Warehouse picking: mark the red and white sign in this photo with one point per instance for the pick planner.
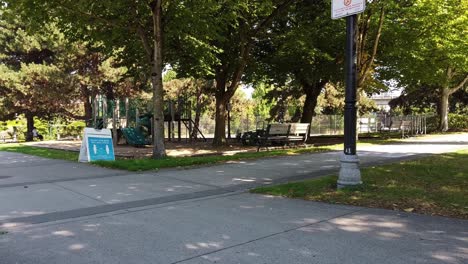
(344, 8)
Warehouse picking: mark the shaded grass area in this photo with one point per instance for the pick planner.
(41, 152)
(435, 185)
(171, 162)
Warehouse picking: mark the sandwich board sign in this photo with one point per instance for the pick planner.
(96, 145)
(344, 8)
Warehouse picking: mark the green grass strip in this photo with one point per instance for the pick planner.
(435, 185)
(152, 164)
(40, 152)
(171, 162)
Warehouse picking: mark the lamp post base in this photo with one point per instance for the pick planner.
(350, 175)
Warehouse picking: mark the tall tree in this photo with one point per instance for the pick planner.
(131, 30)
(33, 79)
(303, 51)
(222, 48)
(429, 40)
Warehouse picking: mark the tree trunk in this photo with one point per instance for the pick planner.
(222, 97)
(198, 109)
(115, 121)
(444, 98)
(159, 150)
(223, 94)
(88, 108)
(444, 102)
(312, 92)
(297, 115)
(220, 119)
(30, 126)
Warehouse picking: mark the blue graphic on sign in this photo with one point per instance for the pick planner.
(100, 148)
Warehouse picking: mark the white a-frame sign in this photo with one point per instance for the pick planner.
(96, 145)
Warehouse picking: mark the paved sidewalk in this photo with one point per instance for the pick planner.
(65, 212)
(242, 228)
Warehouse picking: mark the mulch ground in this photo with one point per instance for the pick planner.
(175, 148)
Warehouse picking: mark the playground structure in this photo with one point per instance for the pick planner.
(132, 120)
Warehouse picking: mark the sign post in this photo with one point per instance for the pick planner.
(96, 145)
(349, 175)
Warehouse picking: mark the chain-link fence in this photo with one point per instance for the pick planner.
(334, 124)
(321, 125)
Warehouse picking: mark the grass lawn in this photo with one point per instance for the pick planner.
(435, 185)
(40, 152)
(151, 164)
(170, 162)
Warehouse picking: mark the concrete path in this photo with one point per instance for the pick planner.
(65, 212)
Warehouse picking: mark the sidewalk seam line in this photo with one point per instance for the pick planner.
(9, 185)
(108, 208)
(187, 181)
(123, 211)
(49, 163)
(82, 194)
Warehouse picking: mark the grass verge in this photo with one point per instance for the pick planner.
(435, 185)
(171, 162)
(151, 164)
(41, 152)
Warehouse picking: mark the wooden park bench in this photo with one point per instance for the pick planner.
(403, 126)
(394, 126)
(406, 128)
(284, 135)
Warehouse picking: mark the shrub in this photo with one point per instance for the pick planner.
(458, 122)
(432, 123)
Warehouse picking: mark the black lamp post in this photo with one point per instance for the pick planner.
(350, 175)
(350, 91)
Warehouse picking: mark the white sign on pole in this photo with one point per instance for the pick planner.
(344, 8)
(96, 145)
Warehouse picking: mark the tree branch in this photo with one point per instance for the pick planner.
(137, 28)
(459, 86)
(269, 19)
(144, 40)
(141, 33)
(249, 41)
(107, 21)
(368, 65)
(364, 27)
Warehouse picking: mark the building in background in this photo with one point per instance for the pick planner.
(382, 99)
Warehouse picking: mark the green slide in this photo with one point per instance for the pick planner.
(134, 137)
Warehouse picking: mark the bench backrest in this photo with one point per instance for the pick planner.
(278, 129)
(396, 124)
(406, 124)
(299, 128)
(7, 133)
